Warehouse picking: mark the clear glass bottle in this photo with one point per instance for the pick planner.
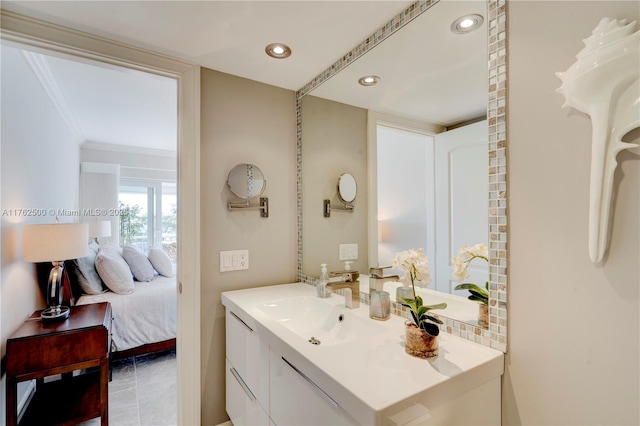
(321, 287)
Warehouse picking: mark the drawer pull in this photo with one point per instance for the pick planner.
(239, 319)
(243, 385)
(311, 382)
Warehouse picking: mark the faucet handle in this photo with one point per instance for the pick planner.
(348, 276)
(376, 271)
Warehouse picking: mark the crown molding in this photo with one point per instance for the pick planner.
(40, 67)
(101, 146)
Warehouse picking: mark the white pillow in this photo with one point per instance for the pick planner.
(140, 266)
(114, 271)
(161, 261)
(84, 272)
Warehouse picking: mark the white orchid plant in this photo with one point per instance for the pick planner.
(460, 264)
(415, 265)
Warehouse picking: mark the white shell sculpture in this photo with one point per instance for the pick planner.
(605, 84)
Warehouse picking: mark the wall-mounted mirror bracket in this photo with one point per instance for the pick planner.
(347, 189)
(327, 207)
(247, 182)
(263, 207)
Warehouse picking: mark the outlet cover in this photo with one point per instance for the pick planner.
(348, 251)
(234, 260)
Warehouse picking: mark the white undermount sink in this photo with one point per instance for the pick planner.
(319, 321)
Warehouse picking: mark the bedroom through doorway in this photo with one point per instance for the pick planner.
(122, 126)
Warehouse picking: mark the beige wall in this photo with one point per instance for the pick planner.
(334, 141)
(574, 327)
(242, 122)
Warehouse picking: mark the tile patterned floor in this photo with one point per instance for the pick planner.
(143, 391)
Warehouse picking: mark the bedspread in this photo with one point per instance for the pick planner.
(148, 315)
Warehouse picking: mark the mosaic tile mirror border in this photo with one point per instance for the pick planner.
(496, 335)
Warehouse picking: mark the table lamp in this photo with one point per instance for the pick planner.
(99, 229)
(55, 243)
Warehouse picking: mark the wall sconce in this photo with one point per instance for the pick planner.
(347, 189)
(247, 182)
(55, 243)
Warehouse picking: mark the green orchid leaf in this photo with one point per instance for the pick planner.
(470, 286)
(478, 299)
(418, 301)
(415, 318)
(479, 294)
(430, 328)
(434, 319)
(421, 311)
(438, 306)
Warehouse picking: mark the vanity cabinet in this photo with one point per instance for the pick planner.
(276, 376)
(246, 373)
(297, 400)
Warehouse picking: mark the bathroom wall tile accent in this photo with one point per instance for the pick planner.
(399, 21)
(496, 335)
(497, 117)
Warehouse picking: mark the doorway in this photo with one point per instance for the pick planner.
(39, 37)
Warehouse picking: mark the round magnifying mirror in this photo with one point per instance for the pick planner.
(347, 188)
(246, 181)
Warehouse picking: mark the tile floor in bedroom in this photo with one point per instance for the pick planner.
(143, 391)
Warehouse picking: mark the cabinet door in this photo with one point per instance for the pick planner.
(248, 355)
(241, 404)
(297, 400)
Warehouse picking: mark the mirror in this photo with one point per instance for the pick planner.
(347, 188)
(246, 181)
(415, 91)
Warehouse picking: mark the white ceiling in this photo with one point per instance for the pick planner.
(228, 36)
(125, 107)
(426, 71)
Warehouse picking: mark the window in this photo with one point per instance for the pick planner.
(147, 213)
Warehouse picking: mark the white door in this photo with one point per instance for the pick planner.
(462, 209)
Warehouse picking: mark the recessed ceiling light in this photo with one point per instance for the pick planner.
(278, 50)
(369, 80)
(466, 24)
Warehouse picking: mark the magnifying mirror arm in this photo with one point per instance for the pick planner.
(327, 207)
(244, 205)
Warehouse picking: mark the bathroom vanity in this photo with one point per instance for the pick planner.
(296, 359)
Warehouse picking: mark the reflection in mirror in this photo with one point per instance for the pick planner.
(347, 188)
(246, 181)
(436, 93)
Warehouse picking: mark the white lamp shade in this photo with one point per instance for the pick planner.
(99, 229)
(55, 242)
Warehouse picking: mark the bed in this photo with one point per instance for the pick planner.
(144, 320)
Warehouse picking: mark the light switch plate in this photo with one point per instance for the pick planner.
(348, 251)
(234, 260)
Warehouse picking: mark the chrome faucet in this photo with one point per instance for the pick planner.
(349, 282)
(377, 280)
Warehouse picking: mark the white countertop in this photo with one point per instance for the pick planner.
(373, 373)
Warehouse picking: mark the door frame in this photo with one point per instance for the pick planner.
(39, 36)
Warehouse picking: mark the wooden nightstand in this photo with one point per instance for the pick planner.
(38, 350)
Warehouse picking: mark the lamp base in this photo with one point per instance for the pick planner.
(55, 313)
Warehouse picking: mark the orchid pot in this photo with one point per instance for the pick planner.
(419, 343)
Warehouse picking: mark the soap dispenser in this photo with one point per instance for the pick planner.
(321, 288)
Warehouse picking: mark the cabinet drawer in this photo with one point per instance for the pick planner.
(36, 354)
(241, 404)
(248, 356)
(297, 400)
